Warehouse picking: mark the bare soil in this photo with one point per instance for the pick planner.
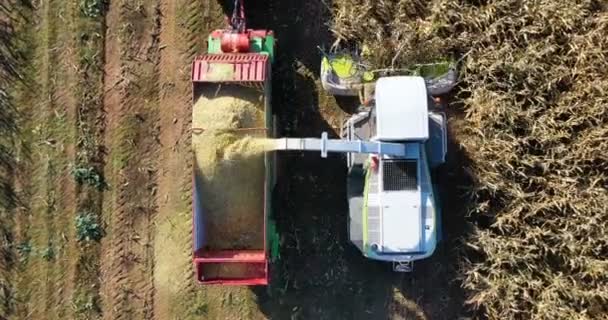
(132, 144)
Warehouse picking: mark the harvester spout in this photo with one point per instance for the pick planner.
(326, 145)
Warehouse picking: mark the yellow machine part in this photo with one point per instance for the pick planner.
(345, 67)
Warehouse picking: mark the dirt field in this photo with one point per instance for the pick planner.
(95, 126)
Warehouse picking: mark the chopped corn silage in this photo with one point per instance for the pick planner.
(230, 165)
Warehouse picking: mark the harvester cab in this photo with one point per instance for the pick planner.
(237, 66)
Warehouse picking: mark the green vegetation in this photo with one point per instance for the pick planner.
(84, 305)
(25, 250)
(48, 253)
(89, 176)
(201, 310)
(92, 8)
(433, 70)
(87, 228)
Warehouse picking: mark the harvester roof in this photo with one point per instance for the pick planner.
(402, 109)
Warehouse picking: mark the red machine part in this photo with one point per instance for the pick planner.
(236, 39)
(238, 42)
(253, 266)
(233, 42)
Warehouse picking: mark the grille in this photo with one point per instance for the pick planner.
(374, 228)
(400, 175)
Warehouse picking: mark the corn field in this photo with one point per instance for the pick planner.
(531, 115)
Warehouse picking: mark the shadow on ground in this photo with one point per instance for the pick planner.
(320, 275)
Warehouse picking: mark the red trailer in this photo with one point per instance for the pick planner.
(238, 60)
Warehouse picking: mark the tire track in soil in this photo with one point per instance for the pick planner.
(172, 253)
(131, 106)
(61, 196)
(111, 103)
(46, 183)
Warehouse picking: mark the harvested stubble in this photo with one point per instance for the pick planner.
(230, 166)
(534, 97)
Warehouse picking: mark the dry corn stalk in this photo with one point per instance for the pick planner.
(534, 99)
